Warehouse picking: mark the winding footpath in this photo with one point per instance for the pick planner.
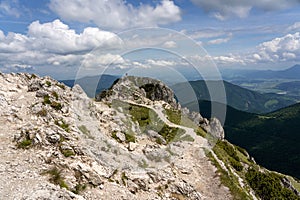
(199, 141)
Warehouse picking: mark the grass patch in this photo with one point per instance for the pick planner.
(42, 113)
(79, 188)
(62, 86)
(67, 153)
(229, 180)
(228, 154)
(294, 182)
(148, 120)
(114, 135)
(48, 83)
(56, 105)
(56, 177)
(129, 137)
(62, 124)
(47, 99)
(201, 132)
(171, 134)
(174, 116)
(54, 94)
(24, 144)
(33, 76)
(124, 178)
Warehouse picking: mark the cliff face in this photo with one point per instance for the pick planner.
(134, 142)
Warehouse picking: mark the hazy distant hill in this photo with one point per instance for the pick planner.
(238, 97)
(290, 73)
(88, 83)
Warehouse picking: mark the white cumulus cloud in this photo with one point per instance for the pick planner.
(169, 44)
(280, 49)
(222, 10)
(57, 37)
(116, 14)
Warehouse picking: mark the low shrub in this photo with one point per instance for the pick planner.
(24, 144)
(268, 185)
(56, 177)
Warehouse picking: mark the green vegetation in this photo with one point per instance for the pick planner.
(63, 125)
(124, 178)
(48, 83)
(42, 112)
(229, 154)
(79, 188)
(236, 96)
(33, 76)
(268, 185)
(56, 177)
(56, 105)
(174, 116)
(171, 134)
(53, 104)
(114, 135)
(47, 99)
(201, 132)
(62, 86)
(67, 153)
(24, 144)
(148, 120)
(294, 182)
(229, 180)
(55, 95)
(271, 103)
(129, 137)
(272, 139)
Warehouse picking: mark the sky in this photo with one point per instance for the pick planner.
(61, 37)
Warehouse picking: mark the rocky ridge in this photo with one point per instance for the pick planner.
(135, 142)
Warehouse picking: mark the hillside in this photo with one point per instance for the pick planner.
(133, 142)
(238, 97)
(273, 139)
(233, 116)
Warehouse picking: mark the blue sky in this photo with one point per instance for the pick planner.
(53, 37)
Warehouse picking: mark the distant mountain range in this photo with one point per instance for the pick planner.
(290, 73)
(237, 97)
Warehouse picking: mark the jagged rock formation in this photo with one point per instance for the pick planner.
(136, 143)
(139, 88)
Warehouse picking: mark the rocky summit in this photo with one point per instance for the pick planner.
(134, 141)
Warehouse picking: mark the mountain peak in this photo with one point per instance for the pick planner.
(65, 145)
(139, 88)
